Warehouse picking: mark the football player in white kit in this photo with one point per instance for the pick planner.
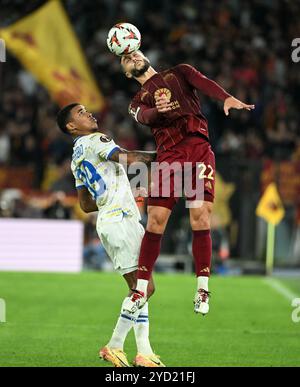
(103, 186)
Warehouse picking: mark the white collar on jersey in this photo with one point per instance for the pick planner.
(76, 138)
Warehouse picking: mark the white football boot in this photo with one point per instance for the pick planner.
(135, 302)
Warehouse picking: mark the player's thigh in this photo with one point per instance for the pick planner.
(157, 219)
(200, 215)
(203, 172)
(122, 242)
(200, 177)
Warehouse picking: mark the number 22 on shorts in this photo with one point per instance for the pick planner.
(206, 171)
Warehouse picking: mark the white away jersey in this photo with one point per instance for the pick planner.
(106, 180)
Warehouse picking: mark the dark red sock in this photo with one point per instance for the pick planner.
(150, 249)
(202, 251)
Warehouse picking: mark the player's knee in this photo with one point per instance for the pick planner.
(155, 228)
(156, 223)
(200, 220)
(202, 223)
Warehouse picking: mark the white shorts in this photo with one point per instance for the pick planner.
(122, 242)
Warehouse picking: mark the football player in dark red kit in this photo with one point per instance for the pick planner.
(168, 102)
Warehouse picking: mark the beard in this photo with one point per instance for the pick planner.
(136, 73)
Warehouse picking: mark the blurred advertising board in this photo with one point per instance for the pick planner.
(41, 245)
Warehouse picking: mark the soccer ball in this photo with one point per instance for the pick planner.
(123, 39)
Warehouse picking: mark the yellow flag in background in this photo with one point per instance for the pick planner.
(46, 45)
(270, 206)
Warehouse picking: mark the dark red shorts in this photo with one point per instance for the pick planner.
(185, 170)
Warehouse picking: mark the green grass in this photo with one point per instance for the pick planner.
(62, 320)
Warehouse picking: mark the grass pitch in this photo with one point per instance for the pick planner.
(63, 320)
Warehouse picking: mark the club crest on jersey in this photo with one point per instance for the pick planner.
(104, 138)
(163, 92)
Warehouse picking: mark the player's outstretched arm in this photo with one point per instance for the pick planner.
(87, 203)
(233, 103)
(126, 157)
(211, 88)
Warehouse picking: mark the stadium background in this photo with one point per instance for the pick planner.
(59, 319)
(245, 46)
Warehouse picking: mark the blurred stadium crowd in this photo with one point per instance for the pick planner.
(243, 45)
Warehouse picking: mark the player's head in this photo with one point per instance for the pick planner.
(74, 119)
(135, 64)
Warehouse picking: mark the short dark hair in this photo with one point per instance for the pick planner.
(63, 117)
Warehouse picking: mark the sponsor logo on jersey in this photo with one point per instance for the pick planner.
(163, 92)
(166, 93)
(104, 138)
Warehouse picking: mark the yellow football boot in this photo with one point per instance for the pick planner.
(115, 356)
(147, 361)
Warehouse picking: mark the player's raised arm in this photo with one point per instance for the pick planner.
(124, 156)
(87, 203)
(211, 88)
(201, 82)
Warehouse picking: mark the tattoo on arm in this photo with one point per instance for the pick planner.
(128, 157)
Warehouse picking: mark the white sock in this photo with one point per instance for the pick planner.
(202, 283)
(124, 324)
(141, 332)
(142, 285)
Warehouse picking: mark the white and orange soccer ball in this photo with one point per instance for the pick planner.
(123, 39)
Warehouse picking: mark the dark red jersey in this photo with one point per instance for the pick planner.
(180, 85)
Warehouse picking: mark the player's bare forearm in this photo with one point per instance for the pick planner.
(140, 157)
(124, 156)
(87, 203)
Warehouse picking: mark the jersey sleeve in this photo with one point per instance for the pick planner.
(143, 113)
(199, 81)
(104, 146)
(78, 183)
